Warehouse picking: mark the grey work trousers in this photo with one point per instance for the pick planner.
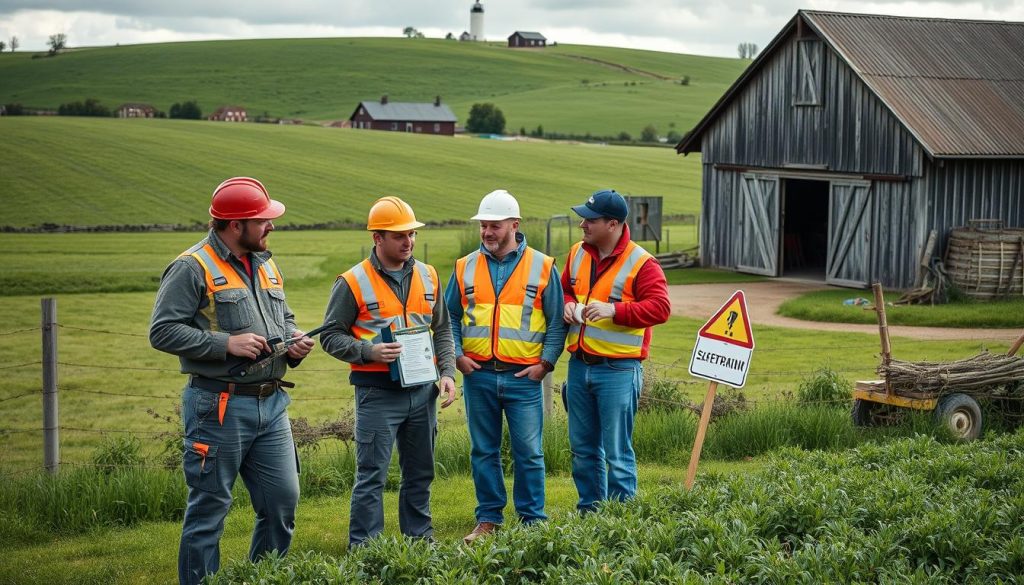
(385, 417)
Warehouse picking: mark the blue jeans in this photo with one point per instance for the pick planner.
(383, 417)
(602, 401)
(488, 394)
(256, 441)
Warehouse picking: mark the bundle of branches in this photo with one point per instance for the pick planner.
(981, 371)
(305, 434)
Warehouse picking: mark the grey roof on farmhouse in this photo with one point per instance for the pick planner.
(408, 112)
(530, 36)
(956, 85)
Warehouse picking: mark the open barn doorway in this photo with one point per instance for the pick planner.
(805, 228)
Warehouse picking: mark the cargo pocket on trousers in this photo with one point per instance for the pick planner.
(366, 455)
(200, 463)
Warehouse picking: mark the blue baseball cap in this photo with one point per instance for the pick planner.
(603, 203)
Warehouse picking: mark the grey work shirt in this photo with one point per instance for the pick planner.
(180, 327)
(339, 342)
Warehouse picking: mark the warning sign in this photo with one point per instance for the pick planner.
(730, 324)
(725, 344)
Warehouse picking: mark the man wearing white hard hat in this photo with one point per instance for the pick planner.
(506, 304)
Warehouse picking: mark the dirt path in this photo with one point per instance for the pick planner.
(763, 299)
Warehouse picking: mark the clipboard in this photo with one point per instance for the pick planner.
(421, 356)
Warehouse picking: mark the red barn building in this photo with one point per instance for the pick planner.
(435, 118)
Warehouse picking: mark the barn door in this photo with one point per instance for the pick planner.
(849, 234)
(759, 247)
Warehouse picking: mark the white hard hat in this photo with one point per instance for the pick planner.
(498, 205)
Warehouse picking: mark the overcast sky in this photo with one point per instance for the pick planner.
(682, 26)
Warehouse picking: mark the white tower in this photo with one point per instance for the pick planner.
(476, 22)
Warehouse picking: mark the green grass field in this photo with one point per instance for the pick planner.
(828, 306)
(324, 79)
(104, 334)
(87, 171)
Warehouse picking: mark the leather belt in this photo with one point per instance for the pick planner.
(261, 390)
(500, 366)
(593, 360)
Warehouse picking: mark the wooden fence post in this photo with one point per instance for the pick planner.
(51, 430)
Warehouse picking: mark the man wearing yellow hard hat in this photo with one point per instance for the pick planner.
(390, 291)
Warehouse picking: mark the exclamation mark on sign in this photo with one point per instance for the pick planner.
(733, 315)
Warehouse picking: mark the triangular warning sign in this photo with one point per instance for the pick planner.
(731, 323)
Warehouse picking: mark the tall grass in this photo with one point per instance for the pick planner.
(81, 498)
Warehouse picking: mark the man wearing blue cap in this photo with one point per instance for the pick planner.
(615, 291)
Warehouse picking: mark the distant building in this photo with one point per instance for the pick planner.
(135, 111)
(229, 114)
(465, 37)
(435, 118)
(522, 39)
(476, 22)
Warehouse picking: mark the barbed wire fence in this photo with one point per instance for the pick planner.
(666, 371)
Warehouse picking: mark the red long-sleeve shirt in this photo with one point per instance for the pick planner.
(651, 307)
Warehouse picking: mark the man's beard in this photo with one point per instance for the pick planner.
(494, 247)
(250, 242)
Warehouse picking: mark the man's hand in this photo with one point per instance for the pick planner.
(536, 372)
(301, 348)
(597, 310)
(466, 365)
(568, 313)
(448, 389)
(248, 345)
(385, 352)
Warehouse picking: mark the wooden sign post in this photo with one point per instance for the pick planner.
(722, 354)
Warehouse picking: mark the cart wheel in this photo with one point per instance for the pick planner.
(961, 415)
(867, 414)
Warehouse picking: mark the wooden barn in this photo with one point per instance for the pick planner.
(435, 118)
(521, 39)
(852, 136)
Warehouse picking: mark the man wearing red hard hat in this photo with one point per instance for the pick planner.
(218, 304)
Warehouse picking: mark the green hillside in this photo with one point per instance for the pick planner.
(575, 89)
(91, 171)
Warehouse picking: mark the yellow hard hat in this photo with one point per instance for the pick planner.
(391, 214)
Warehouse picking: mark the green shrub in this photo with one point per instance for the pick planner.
(826, 387)
(912, 511)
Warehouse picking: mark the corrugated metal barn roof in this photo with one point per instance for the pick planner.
(408, 112)
(956, 85)
(534, 36)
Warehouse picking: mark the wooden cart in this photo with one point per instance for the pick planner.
(878, 402)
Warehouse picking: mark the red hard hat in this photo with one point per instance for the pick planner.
(243, 198)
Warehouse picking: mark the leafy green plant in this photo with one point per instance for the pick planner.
(825, 387)
(120, 451)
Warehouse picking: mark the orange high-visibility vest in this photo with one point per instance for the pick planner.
(379, 307)
(509, 326)
(604, 337)
(220, 276)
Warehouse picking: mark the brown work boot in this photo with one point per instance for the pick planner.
(482, 529)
